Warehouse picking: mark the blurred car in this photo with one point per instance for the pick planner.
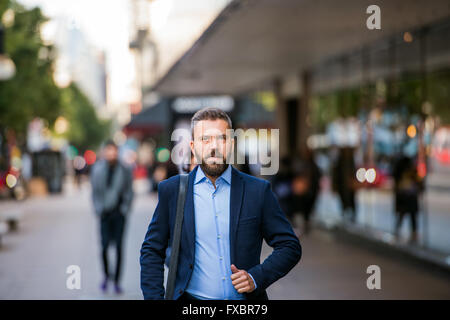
(441, 145)
(373, 177)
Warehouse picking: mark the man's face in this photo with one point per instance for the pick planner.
(110, 153)
(212, 146)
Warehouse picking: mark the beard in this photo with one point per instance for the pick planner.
(213, 169)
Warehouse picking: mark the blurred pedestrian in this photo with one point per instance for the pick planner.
(112, 194)
(245, 167)
(344, 181)
(164, 171)
(282, 187)
(407, 188)
(305, 187)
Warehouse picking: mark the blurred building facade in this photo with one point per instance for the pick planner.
(328, 81)
(79, 61)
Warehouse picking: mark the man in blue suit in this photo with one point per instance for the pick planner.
(227, 215)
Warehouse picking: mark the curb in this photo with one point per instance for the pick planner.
(386, 244)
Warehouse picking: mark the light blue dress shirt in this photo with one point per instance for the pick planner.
(211, 276)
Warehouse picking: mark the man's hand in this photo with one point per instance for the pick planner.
(241, 280)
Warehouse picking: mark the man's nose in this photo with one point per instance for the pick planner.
(214, 144)
(212, 152)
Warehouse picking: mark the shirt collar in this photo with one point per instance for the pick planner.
(226, 175)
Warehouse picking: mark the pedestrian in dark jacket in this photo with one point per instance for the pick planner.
(344, 173)
(305, 187)
(408, 186)
(112, 194)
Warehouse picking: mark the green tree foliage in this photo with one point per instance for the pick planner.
(409, 93)
(439, 94)
(326, 108)
(86, 131)
(31, 92)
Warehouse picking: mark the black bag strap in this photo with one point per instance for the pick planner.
(175, 249)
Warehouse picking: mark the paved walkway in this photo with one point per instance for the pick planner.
(375, 209)
(59, 231)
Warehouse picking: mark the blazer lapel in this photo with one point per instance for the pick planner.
(236, 196)
(189, 217)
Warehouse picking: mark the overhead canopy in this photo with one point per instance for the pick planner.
(151, 120)
(253, 114)
(254, 41)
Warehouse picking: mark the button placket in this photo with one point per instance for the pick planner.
(219, 238)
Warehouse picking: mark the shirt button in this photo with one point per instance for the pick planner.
(223, 278)
(218, 237)
(191, 266)
(221, 258)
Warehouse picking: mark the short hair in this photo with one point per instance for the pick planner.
(209, 113)
(111, 143)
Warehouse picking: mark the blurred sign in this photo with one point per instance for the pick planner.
(193, 104)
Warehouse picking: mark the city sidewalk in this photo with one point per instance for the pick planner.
(61, 230)
(375, 221)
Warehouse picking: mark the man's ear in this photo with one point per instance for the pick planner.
(191, 144)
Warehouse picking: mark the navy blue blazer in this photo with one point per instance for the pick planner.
(254, 215)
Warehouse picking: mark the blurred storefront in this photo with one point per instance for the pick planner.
(334, 83)
(152, 127)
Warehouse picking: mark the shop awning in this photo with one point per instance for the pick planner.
(254, 41)
(151, 120)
